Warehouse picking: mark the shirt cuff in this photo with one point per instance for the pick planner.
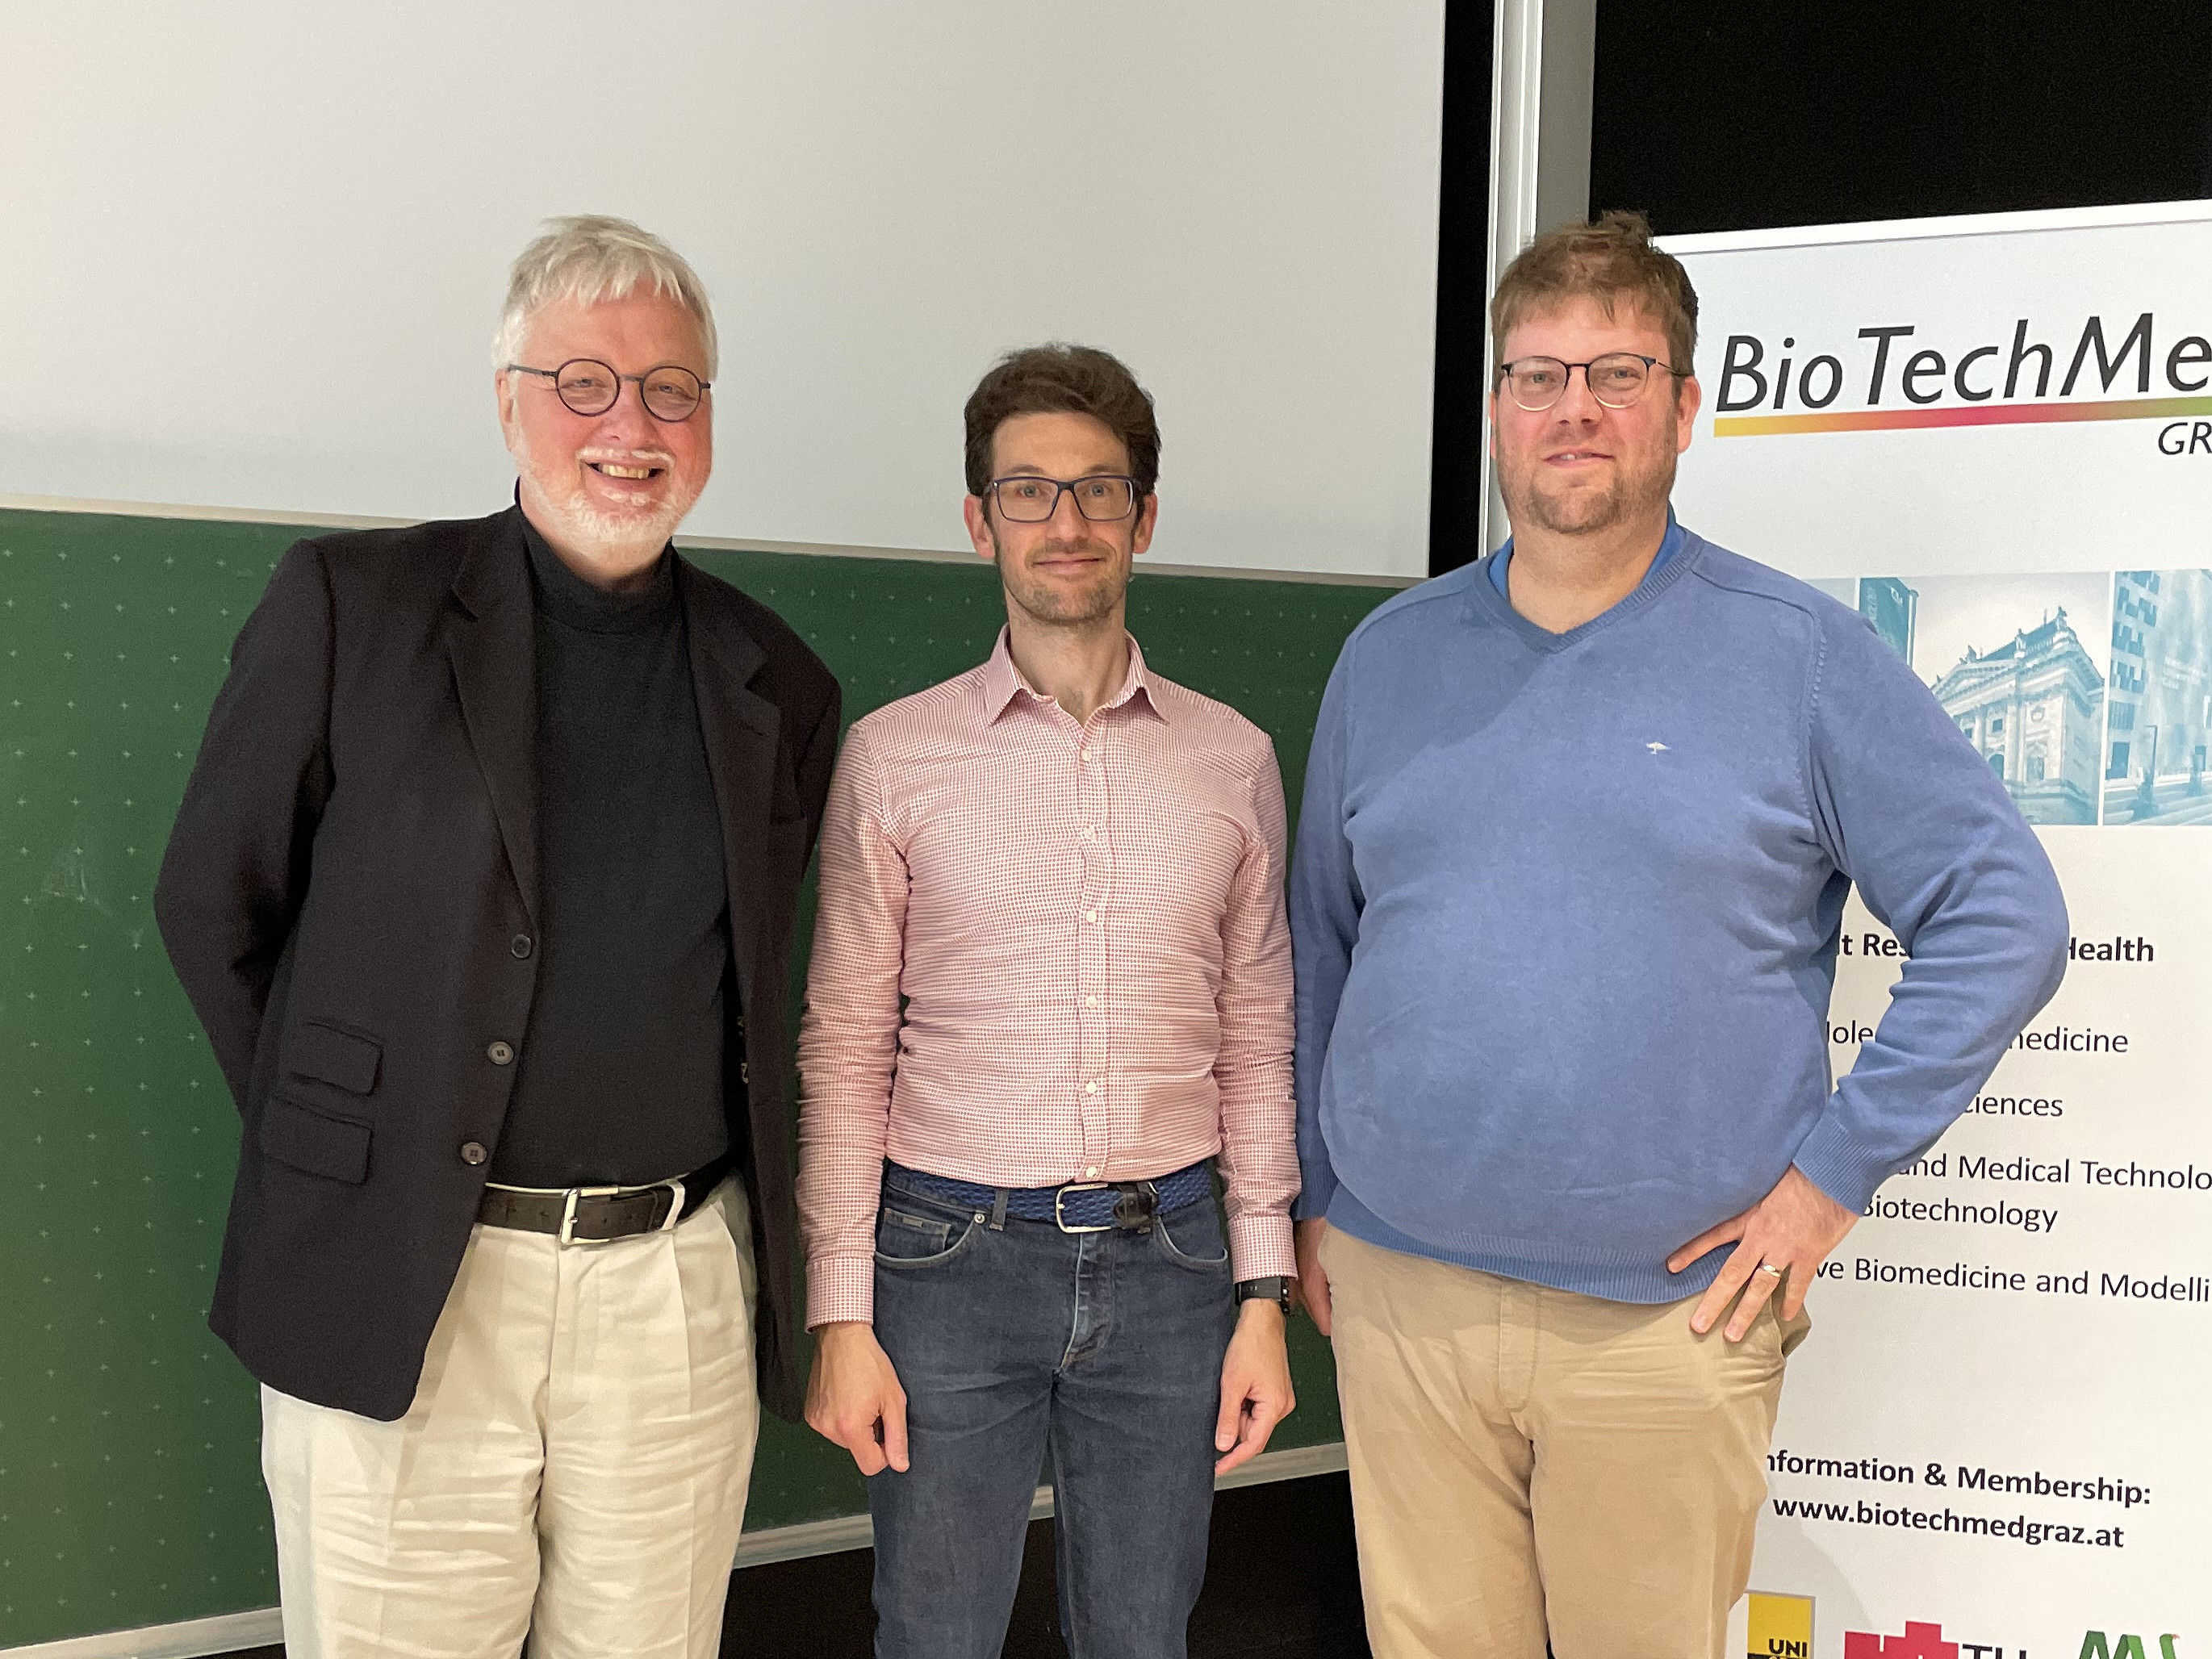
(841, 1288)
(1260, 1248)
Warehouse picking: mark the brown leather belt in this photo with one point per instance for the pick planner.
(599, 1215)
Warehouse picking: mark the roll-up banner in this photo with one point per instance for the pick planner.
(1992, 437)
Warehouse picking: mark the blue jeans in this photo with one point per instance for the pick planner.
(1105, 1348)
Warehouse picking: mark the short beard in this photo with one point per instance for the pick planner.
(1056, 606)
(1582, 512)
(1578, 513)
(620, 537)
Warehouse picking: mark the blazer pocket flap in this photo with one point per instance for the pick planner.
(344, 1059)
(321, 1142)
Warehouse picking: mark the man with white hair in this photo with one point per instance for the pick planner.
(484, 879)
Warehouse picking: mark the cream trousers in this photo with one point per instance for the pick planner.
(573, 1469)
(1528, 1462)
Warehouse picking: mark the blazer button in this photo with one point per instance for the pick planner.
(500, 1053)
(472, 1152)
(519, 946)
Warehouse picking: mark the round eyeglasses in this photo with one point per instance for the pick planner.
(1616, 379)
(1102, 497)
(588, 386)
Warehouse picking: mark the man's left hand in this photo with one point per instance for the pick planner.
(1256, 1385)
(1785, 1237)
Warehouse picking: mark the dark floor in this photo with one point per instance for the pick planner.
(1281, 1583)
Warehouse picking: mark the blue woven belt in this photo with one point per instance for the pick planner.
(1080, 1207)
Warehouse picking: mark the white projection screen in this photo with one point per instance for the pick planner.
(255, 251)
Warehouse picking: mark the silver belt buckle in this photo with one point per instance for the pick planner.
(1059, 1198)
(567, 1234)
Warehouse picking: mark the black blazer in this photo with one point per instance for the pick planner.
(349, 898)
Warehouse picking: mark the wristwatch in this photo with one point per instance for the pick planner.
(1275, 1288)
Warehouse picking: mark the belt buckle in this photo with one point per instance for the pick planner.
(567, 1234)
(1060, 1197)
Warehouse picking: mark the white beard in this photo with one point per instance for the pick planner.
(621, 536)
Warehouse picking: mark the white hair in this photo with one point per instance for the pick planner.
(589, 257)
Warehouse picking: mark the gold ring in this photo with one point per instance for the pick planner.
(1768, 1267)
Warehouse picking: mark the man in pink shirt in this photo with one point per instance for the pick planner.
(1051, 987)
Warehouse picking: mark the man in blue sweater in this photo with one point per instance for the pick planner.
(1579, 823)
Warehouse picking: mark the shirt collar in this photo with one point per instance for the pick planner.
(1003, 682)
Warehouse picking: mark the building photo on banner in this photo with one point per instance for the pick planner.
(1992, 437)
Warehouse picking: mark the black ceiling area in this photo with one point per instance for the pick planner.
(1714, 115)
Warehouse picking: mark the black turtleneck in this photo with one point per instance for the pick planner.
(621, 1070)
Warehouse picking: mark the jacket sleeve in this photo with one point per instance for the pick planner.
(235, 873)
(1908, 812)
(817, 759)
(1325, 904)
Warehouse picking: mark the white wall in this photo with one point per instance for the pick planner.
(254, 251)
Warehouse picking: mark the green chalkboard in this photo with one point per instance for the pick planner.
(130, 1488)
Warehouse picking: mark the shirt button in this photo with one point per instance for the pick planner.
(1091, 1002)
(1091, 916)
(1091, 1088)
(472, 1152)
(1087, 835)
(519, 946)
(500, 1053)
(1092, 1173)
(1087, 754)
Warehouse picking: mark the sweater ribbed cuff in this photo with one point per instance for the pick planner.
(1827, 1159)
(1312, 1202)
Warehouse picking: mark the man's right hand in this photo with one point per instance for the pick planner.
(1313, 1282)
(854, 1398)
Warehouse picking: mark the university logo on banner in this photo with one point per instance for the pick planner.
(1781, 1626)
(1919, 1641)
(1922, 1641)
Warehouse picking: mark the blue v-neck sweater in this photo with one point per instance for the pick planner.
(1566, 910)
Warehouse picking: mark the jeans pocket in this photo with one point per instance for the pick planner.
(908, 1239)
(1192, 1237)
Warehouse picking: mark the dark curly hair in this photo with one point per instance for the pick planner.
(1059, 379)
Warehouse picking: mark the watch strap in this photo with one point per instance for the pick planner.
(1275, 1288)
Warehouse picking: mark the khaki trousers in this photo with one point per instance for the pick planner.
(1528, 1462)
(574, 1467)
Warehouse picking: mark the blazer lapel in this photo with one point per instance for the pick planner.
(740, 728)
(493, 645)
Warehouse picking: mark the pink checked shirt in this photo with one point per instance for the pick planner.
(1087, 923)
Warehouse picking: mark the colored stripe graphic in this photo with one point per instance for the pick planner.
(1899, 420)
